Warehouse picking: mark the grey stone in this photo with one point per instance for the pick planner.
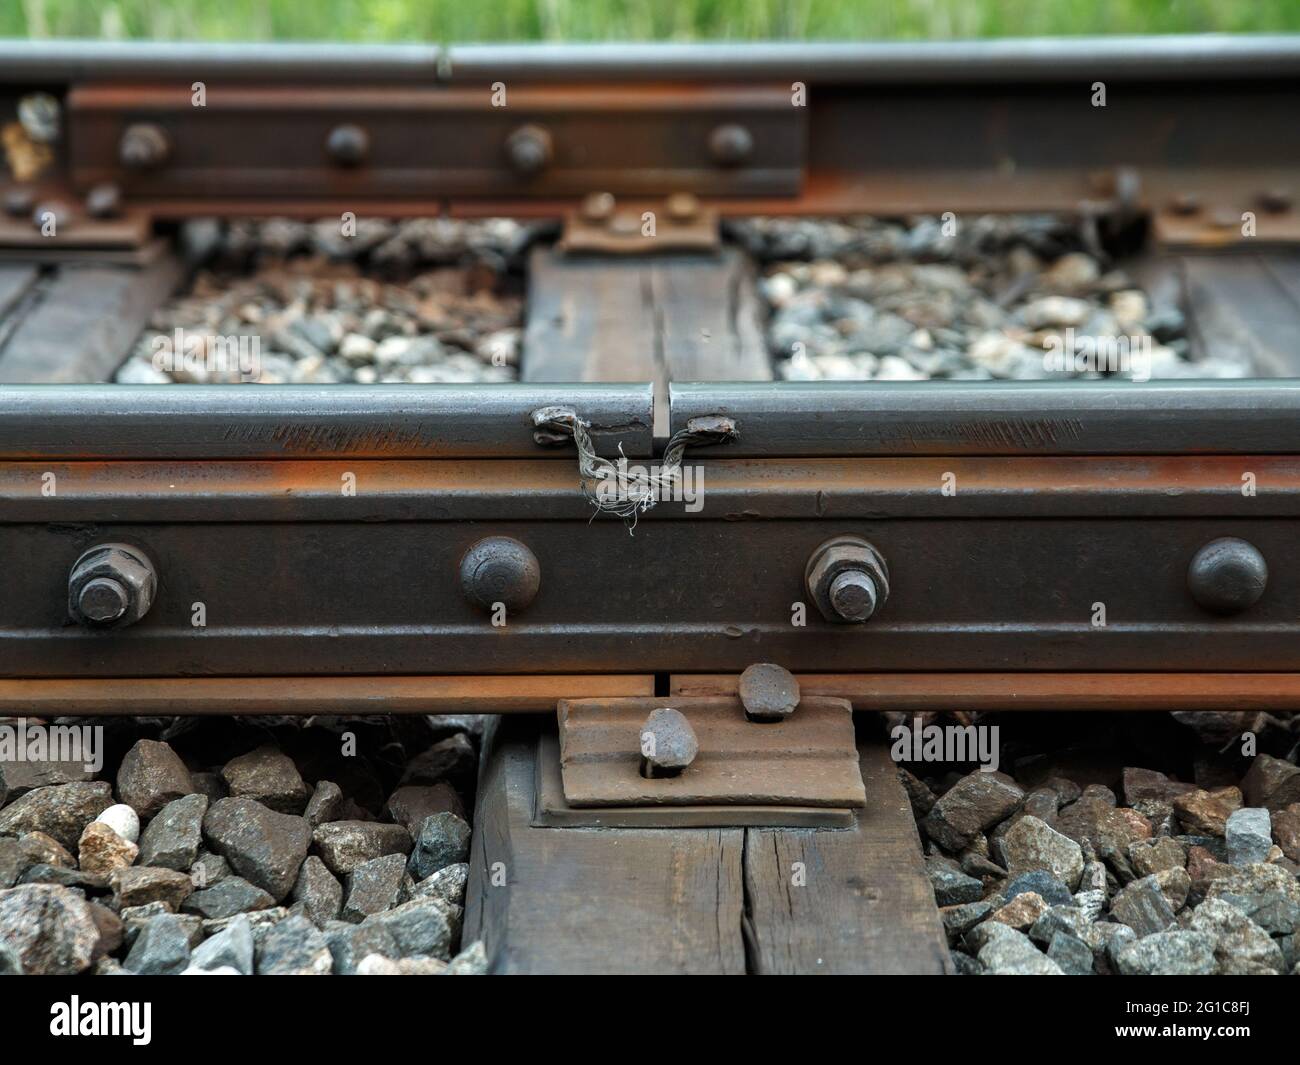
(452, 759)
(172, 839)
(325, 804)
(208, 869)
(1176, 953)
(36, 848)
(89, 883)
(1249, 835)
(374, 886)
(976, 802)
(964, 965)
(232, 947)
(1069, 919)
(150, 776)
(951, 886)
(1072, 954)
(61, 811)
(267, 775)
(1033, 845)
(1090, 903)
(410, 805)
(1143, 907)
(1272, 783)
(227, 897)
(472, 961)
(1011, 953)
(958, 920)
(344, 845)
(17, 778)
(1267, 894)
(447, 884)
(161, 948)
(350, 943)
(442, 840)
(293, 947)
(1106, 940)
(210, 785)
(258, 920)
(51, 930)
(320, 892)
(1241, 947)
(261, 845)
(1148, 856)
(1176, 885)
(11, 861)
(419, 927)
(144, 884)
(1043, 883)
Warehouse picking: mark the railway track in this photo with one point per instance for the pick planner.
(929, 547)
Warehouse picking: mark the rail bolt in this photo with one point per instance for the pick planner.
(731, 144)
(1227, 575)
(348, 145)
(847, 579)
(529, 150)
(111, 585)
(500, 570)
(144, 146)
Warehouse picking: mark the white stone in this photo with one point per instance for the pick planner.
(123, 820)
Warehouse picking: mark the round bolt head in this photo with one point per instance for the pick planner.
(598, 206)
(104, 201)
(103, 600)
(769, 692)
(683, 206)
(731, 144)
(668, 743)
(500, 569)
(529, 150)
(1227, 576)
(348, 145)
(853, 595)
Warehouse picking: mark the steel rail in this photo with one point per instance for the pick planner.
(1174, 57)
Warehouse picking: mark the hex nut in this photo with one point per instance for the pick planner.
(847, 580)
(111, 586)
(500, 569)
(1227, 575)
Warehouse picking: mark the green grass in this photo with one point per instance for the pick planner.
(432, 21)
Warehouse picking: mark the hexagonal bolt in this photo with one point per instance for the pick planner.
(731, 144)
(144, 146)
(111, 585)
(1227, 575)
(529, 150)
(668, 743)
(847, 580)
(500, 569)
(769, 692)
(348, 145)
